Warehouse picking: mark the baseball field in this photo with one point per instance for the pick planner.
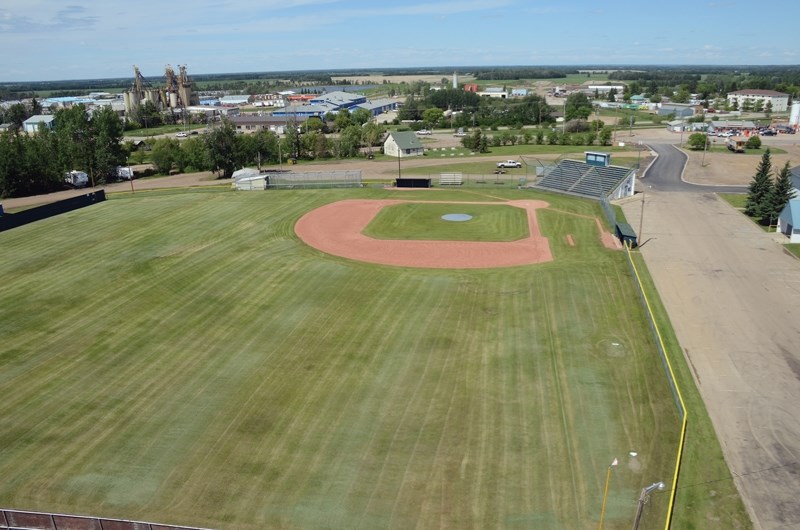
(184, 357)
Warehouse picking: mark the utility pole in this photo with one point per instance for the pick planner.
(399, 176)
(641, 220)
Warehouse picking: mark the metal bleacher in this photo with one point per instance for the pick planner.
(579, 178)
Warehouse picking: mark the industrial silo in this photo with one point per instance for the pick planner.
(794, 117)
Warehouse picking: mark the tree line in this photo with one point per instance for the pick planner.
(36, 163)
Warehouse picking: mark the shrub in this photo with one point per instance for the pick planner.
(754, 142)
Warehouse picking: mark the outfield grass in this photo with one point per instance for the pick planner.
(181, 357)
(420, 221)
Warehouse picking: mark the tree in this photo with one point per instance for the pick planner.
(605, 136)
(758, 192)
(13, 180)
(75, 135)
(361, 116)
(36, 107)
(473, 141)
(109, 152)
(697, 141)
(682, 96)
(221, 144)
(768, 109)
(431, 116)
(574, 126)
(146, 115)
(195, 154)
(166, 155)
(343, 120)
(16, 114)
(577, 107)
(371, 133)
(754, 142)
(348, 142)
(780, 194)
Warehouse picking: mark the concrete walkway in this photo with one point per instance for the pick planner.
(733, 295)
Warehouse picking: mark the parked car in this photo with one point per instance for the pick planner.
(76, 179)
(508, 164)
(424, 132)
(768, 132)
(181, 135)
(125, 173)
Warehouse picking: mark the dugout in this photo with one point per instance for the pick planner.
(626, 235)
(412, 182)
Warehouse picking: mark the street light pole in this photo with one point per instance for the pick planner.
(643, 498)
(399, 176)
(705, 148)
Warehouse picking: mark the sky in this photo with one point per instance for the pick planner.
(43, 40)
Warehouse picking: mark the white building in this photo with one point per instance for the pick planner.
(403, 144)
(779, 100)
(789, 221)
(31, 125)
(605, 89)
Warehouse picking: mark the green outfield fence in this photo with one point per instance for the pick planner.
(676, 392)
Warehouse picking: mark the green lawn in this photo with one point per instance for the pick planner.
(182, 357)
(739, 201)
(794, 248)
(424, 221)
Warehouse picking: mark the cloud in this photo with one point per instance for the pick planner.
(69, 18)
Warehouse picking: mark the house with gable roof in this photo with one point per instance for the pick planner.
(403, 144)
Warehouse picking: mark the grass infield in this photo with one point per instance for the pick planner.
(424, 221)
(182, 357)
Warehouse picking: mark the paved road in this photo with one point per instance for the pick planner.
(666, 173)
(733, 296)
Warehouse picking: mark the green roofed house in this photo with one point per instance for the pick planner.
(403, 144)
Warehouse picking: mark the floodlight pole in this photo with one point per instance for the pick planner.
(399, 176)
(643, 498)
(641, 220)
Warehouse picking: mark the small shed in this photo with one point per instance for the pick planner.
(402, 144)
(789, 221)
(626, 235)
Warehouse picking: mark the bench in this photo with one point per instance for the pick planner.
(451, 179)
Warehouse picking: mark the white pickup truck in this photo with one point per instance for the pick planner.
(509, 164)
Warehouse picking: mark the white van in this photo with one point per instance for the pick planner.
(76, 179)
